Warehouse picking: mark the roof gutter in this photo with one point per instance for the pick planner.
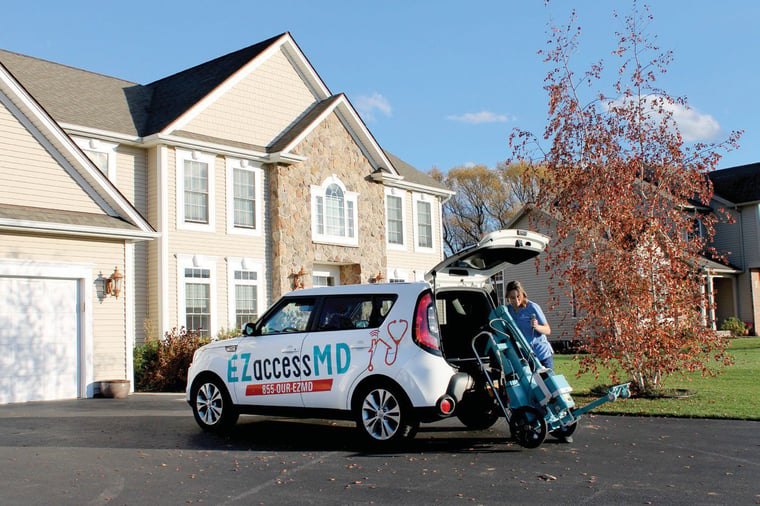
(80, 231)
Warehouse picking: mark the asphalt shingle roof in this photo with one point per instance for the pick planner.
(737, 184)
(80, 97)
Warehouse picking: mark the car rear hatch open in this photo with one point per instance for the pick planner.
(474, 266)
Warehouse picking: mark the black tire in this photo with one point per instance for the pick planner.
(478, 412)
(565, 432)
(528, 426)
(212, 406)
(383, 415)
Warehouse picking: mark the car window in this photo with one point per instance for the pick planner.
(292, 316)
(346, 312)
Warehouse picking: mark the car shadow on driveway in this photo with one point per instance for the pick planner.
(166, 422)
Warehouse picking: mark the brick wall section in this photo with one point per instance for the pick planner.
(329, 150)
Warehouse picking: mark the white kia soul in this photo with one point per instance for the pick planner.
(372, 353)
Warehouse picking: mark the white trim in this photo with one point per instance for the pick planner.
(82, 273)
(122, 206)
(355, 126)
(129, 302)
(77, 230)
(254, 167)
(294, 54)
(100, 146)
(422, 197)
(57, 155)
(396, 193)
(209, 159)
(353, 197)
(244, 264)
(162, 264)
(328, 271)
(394, 274)
(197, 262)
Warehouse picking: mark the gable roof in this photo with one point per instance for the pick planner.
(173, 96)
(80, 99)
(739, 184)
(120, 217)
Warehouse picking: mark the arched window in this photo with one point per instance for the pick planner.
(334, 215)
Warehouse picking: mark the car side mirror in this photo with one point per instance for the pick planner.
(249, 329)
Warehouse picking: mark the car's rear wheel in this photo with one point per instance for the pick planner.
(478, 411)
(384, 415)
(212, 406)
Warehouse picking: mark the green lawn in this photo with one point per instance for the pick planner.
(735, 393)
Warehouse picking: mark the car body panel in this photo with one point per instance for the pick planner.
(475, 265)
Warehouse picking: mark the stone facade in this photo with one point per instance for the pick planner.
(329, 150)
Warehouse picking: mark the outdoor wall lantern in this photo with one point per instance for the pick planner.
(298, 278)
(115, 283)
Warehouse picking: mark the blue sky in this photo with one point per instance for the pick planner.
(439, 83)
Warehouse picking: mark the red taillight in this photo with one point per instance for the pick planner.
(425, 332)
(446, 405)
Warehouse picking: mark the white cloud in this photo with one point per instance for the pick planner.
(479, 117)
(692, 124)
(369, 105)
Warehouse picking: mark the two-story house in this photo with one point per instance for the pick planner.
(737, 190)
(248, 175)
(732, 288)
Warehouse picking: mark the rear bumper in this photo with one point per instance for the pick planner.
(447, 403)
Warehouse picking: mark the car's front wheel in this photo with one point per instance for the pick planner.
(212, 406)
(384, 415)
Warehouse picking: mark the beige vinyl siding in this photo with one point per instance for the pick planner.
(131, 176)
(213, 246)
(258, 108)
(408, 259)
(537, 283)
(108, 314)
(31, 176)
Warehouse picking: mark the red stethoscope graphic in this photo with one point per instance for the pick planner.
(396, 330)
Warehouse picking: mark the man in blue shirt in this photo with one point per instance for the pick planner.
(531, 321)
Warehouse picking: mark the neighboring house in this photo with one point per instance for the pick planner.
(733, 288)
(737, 190)
(256, 179)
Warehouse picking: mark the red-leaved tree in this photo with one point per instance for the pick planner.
(629, 202)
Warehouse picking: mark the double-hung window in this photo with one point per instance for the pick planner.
(423, 218)
(244, 276)
(196, 289)
(394, 213)
(198, 300)
(334, 213)
(244, 197)
(195, 190)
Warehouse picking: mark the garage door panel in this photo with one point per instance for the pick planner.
(39, 340)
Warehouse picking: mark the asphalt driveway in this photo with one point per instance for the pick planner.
(146, 449)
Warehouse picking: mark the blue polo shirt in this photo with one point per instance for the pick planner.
(522, 317)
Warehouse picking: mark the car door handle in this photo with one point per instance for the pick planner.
(361, 345)
(290, 349)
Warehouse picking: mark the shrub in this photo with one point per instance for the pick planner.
(735, 325)
(161, 364)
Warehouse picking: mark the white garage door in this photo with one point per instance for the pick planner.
(39, 339)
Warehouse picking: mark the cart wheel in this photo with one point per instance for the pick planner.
(528, 426)
(565, 432)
